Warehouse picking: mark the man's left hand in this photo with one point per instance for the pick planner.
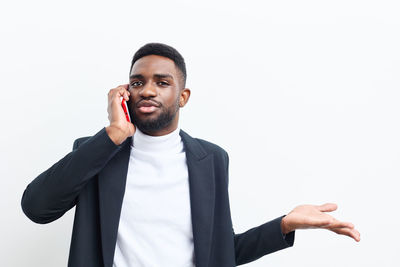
(315, 216)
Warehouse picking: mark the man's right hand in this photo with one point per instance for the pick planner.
(119, 128)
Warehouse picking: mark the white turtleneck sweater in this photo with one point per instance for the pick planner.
(155, 227)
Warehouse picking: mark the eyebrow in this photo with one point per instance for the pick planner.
(136, 76)
(159, 76)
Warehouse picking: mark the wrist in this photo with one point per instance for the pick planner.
(284, 226)
(116, 134)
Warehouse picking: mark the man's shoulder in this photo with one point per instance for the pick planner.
(208, 146)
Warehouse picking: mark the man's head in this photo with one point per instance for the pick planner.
(164, 51)
(157, 88)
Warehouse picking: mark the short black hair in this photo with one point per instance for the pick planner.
(163, 50)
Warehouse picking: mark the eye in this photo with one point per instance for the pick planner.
(136, 84)
(163, 83)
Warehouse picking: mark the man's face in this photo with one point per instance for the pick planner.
(155, 95)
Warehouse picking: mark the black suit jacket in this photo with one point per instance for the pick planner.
(92, 177)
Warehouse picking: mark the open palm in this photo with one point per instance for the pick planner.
(315, 216)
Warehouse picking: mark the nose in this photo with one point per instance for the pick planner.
(148, 90)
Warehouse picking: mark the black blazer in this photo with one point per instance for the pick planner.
(92, 177)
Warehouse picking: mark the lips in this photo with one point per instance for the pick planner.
(147, 106)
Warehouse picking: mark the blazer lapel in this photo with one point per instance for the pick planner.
(112, 180)
(202, 197)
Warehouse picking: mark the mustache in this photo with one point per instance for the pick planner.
(147, 101)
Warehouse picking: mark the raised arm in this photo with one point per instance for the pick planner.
(54, 191)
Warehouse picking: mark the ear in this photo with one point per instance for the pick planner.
(184, 97)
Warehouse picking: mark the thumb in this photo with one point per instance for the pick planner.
(327, 207)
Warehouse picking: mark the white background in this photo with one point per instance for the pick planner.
(304, 95)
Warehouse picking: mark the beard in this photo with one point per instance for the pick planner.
(162, 121)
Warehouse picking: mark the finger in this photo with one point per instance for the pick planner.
(125, 86)
(124, 93)
(321, 222)
(338, 224)
(118, 92)
(353, 233)
(328, 207)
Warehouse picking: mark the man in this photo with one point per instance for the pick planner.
(148, 194)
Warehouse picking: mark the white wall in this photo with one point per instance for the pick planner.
(304, 95)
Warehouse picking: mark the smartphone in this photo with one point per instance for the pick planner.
(125, 108)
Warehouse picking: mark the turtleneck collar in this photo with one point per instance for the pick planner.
(170, 142)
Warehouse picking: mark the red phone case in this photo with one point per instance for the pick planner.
(125, 108)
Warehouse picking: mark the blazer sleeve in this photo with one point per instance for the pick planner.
(259, 241)
(55, 191)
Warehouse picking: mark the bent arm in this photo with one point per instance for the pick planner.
(54, 192)
(261, 240)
